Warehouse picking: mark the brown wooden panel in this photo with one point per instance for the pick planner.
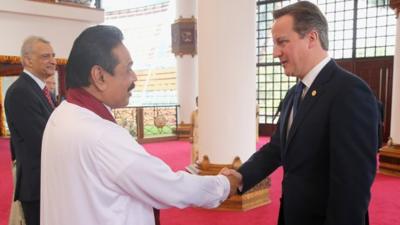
(10, 69)
(378, 74)
(347, 64)
(266, 129)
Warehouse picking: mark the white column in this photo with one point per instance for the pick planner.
(227, 79)
(186, 68)
(395, 120)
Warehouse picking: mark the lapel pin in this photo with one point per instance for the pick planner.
(314, 93)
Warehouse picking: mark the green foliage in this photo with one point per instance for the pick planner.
(153, 131)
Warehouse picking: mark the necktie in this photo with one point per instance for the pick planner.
(298, 92)
(47, 94)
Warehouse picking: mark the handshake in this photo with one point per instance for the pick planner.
(235, 179)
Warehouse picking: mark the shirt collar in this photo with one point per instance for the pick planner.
(310, 77)
(36, 79)
(108, 108)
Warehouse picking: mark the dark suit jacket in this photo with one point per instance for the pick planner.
(329, 157)
(27, 111)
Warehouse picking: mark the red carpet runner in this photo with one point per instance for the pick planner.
(384, 208)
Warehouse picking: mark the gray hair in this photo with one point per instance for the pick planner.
(307, 17)
(27, 46)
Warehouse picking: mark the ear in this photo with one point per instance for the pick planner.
(97, 78)
(26, 61)
(313, 38)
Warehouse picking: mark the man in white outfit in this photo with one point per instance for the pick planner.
(93, 171)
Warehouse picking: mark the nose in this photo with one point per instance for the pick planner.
(276, 52)
(53, 60)
(134, 76)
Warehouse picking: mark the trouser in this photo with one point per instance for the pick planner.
(31, 212)
(281, 218)
(16, 214)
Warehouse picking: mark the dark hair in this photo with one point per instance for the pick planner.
(92, 47)
(307, 17)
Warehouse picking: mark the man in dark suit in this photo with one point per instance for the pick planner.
(27, 109)
(51, 85)
(326, 137)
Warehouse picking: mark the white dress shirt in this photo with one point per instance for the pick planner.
(39, 82)
(94, 172)
(307, 81)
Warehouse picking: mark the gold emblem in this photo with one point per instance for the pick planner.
(314, 93)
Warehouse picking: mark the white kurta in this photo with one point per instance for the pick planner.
(94, 172)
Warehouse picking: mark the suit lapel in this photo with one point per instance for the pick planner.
(286, 109)
(37, 90)
(313, 94)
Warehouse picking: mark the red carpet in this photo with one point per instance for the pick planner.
(384, 208)
(5, 180)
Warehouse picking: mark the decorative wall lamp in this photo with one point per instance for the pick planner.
(184, 37)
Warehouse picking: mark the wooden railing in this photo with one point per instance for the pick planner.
(149, 123)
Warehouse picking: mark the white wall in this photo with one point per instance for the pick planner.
(227, 81)
(395, 120)
(60, 24)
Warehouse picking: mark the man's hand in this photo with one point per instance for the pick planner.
(234, 177)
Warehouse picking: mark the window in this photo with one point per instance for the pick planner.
(357, 29)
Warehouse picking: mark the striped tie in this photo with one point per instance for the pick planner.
(47, 94)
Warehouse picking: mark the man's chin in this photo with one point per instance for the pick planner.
(126, 103)
(288, 73)
(50, 73)
(116, 106)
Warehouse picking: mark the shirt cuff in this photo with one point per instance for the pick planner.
(226, 187)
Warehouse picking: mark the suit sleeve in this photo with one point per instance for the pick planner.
(353, 148)
(29, 122)
(262, 163)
